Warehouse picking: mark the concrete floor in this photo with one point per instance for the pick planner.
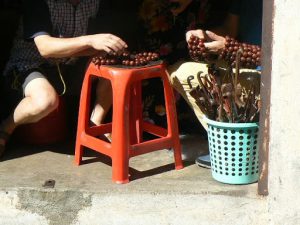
(155, 189)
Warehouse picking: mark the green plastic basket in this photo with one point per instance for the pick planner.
(233, 151)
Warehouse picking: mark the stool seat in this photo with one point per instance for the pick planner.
(127, 124)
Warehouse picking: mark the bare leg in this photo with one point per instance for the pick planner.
(40, 99)
(103, 101)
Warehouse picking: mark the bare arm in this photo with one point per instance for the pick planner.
(67, 47)
(215, 39)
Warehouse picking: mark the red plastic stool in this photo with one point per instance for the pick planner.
(127, 124)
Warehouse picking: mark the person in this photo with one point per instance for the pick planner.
(163, 25)
(52, 35)
(243, 22)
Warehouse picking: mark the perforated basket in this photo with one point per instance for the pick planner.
(233, 151)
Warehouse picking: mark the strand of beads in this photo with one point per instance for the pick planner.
(197, 50)
(126, 59)
(250, 57)
(140, 59)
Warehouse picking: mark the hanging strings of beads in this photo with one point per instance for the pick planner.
(250, 58)
(126, 59)
(197, 49)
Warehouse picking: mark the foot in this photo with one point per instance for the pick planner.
(108, 136)
(203, 161)
(105, 137)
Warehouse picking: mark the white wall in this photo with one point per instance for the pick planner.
(284, 164)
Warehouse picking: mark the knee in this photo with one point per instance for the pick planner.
(45, 103)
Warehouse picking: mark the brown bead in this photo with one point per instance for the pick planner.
(190, 42)
(201, 45)
(193, 37)
(203, 49)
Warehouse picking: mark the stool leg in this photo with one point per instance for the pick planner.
(78, 153)
(120, 131)
(172, 121)
(83, 116)
(136, 114)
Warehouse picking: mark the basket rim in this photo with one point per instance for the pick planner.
(230, 125)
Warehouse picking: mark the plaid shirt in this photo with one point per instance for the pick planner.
(67, 21)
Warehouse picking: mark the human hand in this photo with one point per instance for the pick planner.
(215, 42)
(182, 5)
(198, 33)
(107, 42)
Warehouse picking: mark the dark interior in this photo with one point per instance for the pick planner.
(10, 12)
(115, 13)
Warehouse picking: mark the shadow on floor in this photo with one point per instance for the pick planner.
(134, 173)
(17, 150)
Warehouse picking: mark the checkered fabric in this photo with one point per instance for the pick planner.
(67, 21)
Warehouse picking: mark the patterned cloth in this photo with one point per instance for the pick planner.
(166, 34)
(66, 20)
